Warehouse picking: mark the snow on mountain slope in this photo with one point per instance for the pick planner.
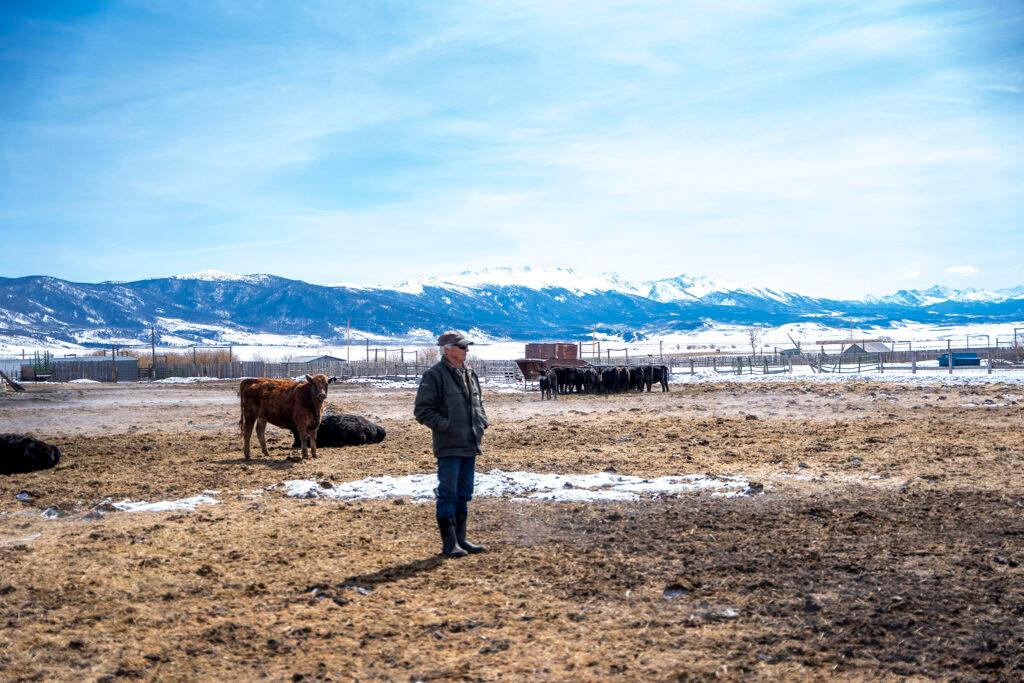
(680, 289)
(500, 303)
(686, 288)
(529, 278)
(939, 294)
(212, 275)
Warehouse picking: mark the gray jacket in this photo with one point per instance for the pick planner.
(457, 418)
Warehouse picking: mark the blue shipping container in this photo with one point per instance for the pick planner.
(959, 360)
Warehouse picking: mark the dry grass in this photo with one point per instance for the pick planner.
(887, 546)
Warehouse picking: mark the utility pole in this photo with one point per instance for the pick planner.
(348, 344)
(152, 353)
(367, 349)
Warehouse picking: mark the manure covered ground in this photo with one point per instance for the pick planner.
(888, 542)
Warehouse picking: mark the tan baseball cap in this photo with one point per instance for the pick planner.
(453, 338)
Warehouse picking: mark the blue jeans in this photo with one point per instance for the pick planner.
(454, 485)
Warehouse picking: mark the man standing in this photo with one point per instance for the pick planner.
(449, 402)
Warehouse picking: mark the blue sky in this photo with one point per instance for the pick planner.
(831, 148)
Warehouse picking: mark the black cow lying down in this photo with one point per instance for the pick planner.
(343, 429)
(20, 453)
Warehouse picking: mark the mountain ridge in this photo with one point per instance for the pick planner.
(216, 307)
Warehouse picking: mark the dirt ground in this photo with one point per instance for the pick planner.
(888, 544)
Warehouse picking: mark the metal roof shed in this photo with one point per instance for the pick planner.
(866, 347)
(314, 359)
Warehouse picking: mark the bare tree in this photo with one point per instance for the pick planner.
(430, 355)
(754, 335)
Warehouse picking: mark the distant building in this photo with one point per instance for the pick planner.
(314, 359)
(866, 347)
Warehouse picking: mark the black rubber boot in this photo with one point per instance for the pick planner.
(449, 544)
(460, 534)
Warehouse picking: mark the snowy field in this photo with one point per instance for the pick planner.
(725, 338)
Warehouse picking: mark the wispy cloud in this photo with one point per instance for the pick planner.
(962, 271)
(733, 139)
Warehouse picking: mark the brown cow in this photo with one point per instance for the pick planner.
(284, 403)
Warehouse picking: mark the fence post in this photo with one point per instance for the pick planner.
(990, 360)
(691, 367)
(913, 365)
(949, 354)
(881, 366)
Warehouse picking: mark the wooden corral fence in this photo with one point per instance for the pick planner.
(64, 370)
(753, 366)
(849, 364)
(992, 359)
(394, 370)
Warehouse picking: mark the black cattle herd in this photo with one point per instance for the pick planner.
(592, 379)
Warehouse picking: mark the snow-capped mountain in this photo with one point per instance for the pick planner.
(529, 278)
(212, 275)
(938, 294)
(529, 304)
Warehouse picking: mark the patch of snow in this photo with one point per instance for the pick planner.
(84, 381)
(191, 380)
(102, 336)
(489, 384)
(383, 383)
(540, 486)
(583, 495)
(961, 377)
(187, 504)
